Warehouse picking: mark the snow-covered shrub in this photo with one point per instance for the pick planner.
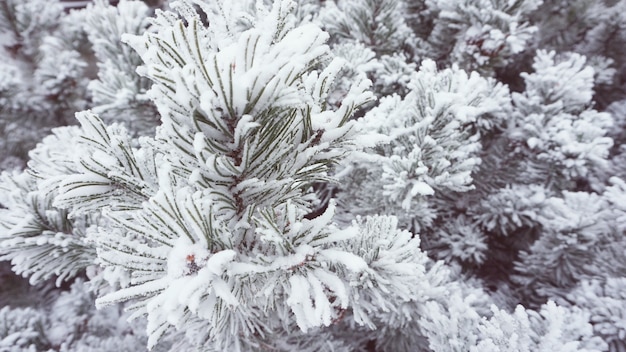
(39, 239)
(430, 143)
(481, 35)
(374, 175)
(119, 94)
(43, 75)
(556, 121)
(605, 302)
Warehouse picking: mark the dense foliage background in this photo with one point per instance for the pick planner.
(307, 175)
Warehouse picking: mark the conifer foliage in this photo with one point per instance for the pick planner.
(371, 175)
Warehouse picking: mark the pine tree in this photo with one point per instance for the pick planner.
(119, 94)
(374, 175)
(42, 75)
(483, 35)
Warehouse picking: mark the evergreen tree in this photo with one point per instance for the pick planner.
(119, 94)
(43, 74)
(371, 175)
